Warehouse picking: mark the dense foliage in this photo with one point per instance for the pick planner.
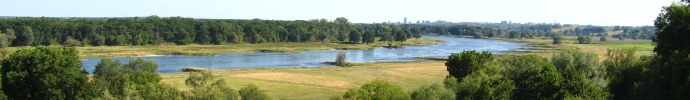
(462, 64)
(45, 73)
(376, 90)
(154, 30)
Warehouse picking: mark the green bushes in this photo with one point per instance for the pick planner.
(375, 90)
(432, 92)
(557, 40)
(252, 92)
(582, 62)
(203, 89)
(584, 39)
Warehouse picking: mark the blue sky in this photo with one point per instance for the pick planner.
(613, 12)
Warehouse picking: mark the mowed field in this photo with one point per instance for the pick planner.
(324, 82)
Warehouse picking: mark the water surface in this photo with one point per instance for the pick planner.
(173, 63)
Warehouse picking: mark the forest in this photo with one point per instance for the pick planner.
(155, 30)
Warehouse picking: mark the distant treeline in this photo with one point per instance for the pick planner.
(154, 30)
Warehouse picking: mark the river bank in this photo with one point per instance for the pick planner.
(212, 50)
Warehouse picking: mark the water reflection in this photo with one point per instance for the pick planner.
(173, 63)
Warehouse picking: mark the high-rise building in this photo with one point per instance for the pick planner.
(405, 20)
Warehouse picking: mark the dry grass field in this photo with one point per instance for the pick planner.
(324, 82)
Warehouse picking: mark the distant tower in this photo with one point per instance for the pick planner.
(405, 20)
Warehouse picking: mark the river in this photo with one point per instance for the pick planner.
(173, 63)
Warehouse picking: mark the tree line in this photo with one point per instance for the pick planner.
(154, 30)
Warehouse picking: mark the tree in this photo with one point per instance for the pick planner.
(355, 36)
(399, 34)
(581, 62)
(4, 40)
(513, 34)
(25, 36)
(252, 92)
(671, 78)
(486, 83)
(557, 40)
(44, 73)
(625, 72)
(603, 38)
(534, 77)
(136, 79)
(369, 37)
(462, 64)
(377, 90)
(417, 33)
(432, 92)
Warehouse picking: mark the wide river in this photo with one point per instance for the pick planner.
(173, 63)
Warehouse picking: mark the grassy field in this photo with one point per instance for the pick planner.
(324, 82)
(644, 47)
(117, 51)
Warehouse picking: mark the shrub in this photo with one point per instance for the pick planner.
(252, 92)
(432, 92)
(71, 42)
(557, 40)
(340, 59)
(376, 90)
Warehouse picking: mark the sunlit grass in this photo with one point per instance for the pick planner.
(324, 82)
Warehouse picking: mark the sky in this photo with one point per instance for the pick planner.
(584, 12)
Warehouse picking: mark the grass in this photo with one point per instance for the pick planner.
(643, 47)
(324, 82)
(211, 50)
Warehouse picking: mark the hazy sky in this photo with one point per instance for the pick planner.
(613, 12)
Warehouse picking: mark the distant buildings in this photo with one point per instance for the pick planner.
(405, 22)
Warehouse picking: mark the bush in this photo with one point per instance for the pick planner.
(603, 38)
(433, 92)
(340, 59)
(557, 40)
(252, 92)
(376, 90)
(71, 42)
(584, 39)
